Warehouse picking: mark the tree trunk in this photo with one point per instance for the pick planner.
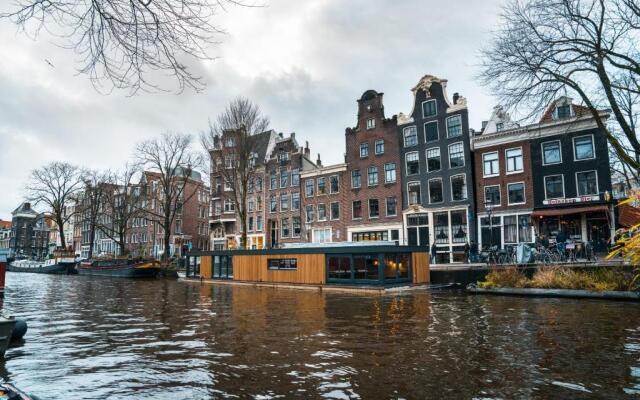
(61, 232)
(92, 239)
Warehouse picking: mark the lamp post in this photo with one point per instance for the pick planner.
(488, 205)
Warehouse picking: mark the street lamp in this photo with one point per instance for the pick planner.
(489, 206)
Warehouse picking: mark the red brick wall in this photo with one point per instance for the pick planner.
(338, 226)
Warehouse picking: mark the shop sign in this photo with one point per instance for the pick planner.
(571, 200)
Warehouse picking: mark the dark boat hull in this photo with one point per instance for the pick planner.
(59, 269)
(119, 271)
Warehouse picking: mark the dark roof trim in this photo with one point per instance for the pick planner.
(314, 250)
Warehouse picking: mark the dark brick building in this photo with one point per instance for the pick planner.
(29, 236)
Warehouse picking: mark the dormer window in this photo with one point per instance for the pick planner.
(563, 111)
(499, 126)
(229, 142)
(371, 123)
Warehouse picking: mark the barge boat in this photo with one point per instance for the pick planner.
(120, 268)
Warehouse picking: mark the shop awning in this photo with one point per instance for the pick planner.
(567, 211)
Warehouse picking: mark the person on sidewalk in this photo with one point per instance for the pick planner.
(434, 255)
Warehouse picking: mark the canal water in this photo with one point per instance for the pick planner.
(93, 338)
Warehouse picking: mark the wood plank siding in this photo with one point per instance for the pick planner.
(311, 269)
(206, 267)
(420, 262)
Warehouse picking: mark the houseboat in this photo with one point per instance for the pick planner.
(361, 264)
(120, 267)
(62, 262)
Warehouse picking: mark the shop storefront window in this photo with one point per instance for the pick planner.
(510, 225)
(441, 227)
(524, 227)
(459, 226)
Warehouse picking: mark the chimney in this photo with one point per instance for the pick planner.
(307, 152)
(319, 162)
(456, 96)
(293, 135)
(281, 135)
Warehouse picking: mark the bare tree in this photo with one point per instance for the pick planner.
(128, 43)
(123, 201)
(92, 202)
(585, 48)
(172, 162)
(231, 146)
(55, 185)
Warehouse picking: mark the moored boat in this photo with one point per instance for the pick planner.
(8, 391)
(62, 262)
(6, 330)
(120, 267)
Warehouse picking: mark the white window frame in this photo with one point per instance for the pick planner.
(427, 158)
(465, 186)
(597, 193)
(484, 195)
(429, 190)
(366, 145)
(506, 161)
(425, 131)
(544, 181)
(404, 136)
(395, 172)
(331, 211)
(542, 151)
(524, 193)
(369, 209)
(593, 147)
(483, 161)
(353, 217)
(371, 123)
(406, 165)
(386, 208)
(446, 124)
(326, 217)
(464, 162)
(422, 108)
(375, 146)
(408, 191)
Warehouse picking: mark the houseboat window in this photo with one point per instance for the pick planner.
(554, 186)
(355, 179)
(516, 193)
(583, 147)
(431, 131)
(433, 159)
(365, 266)
(587, 183)
(282, 263)
(454, 126)
(459, 187)
(222, 267)
(410, 134)
(396, 266)
(339, 267)
(456, 155)
(551, 153)
(514, 160)
(459, 226)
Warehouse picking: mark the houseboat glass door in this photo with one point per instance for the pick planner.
(222, 267)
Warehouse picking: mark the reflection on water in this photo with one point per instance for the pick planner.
(95, 338)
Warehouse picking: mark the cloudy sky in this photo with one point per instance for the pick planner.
(304, 62)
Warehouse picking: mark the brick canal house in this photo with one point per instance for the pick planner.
(437, 171)
(503, 182)
(372, 149)
(29, 235)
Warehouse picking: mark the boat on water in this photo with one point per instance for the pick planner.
(120, 268)
(10, 392)
(6, 330)
(61, 262)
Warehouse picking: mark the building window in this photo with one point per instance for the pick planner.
(458, 187)
(551, 153)
(492, 195)
(283, 156)
(284, 178)
(334, 184)
(356, 181)
(322, 186)
(282, 263)
(431, 131)
(335, 210)
(490, 163)
(510, 228)
(356, 207)
(252, 203)
(459, 226)
(308, 188)
(583, 148)
(322, 212)
(554, 186)
(273, 181)
(295, 177)
(454, 126)
(410, 134)
(371, 123)
(273, 201)
(499, 126)
(413, 188)
(390, 172)
(429, 108)
(295, 201)
(229, 161)
(587, 183)
(514, 160)
(392, 207)
(296, 226)
(412, 163)
(379, 146)
(441, 227)
(435, 190)
(366, 236)
(563, 111)
(456, 155)
(515, 192)
(309, 213)
(284, 227)
(433, 159)
(284, 202)
(374, 208)
(372, 176)
(364, 150)
(229, 206)
(322, 235)
(524, 227)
